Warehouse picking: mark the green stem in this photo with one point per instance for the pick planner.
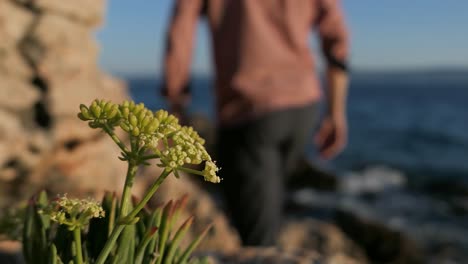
(153, 188)
(118, 229)
(154, 156)
(77, 238)
(127, 190)
(115, 138)
(192, 171)
(109, 244)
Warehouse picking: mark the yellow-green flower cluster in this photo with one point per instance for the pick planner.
(182, 145)
(99, 113)
(137, 120)
(189, 149)
(74, 213)
(210, 172)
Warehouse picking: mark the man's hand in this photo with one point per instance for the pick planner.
(332, 136)
(333, 133)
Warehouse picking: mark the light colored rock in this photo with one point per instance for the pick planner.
(59, 47)
(272, 255)
(325, 238)
(16, 94)
(89, 167)
(66, 95)
(68, 62)
(14, 22)
(52, 43)
(12, 64)
(54, 31)
(12, 143)
(88, 12)
(70, 128)
(257, 255)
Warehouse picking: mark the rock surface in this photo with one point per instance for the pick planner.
(14, 23)
(276, 256)
(325, 238)
(48, 66)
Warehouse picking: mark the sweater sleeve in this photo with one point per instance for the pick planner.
(179, 45)
(333, 33)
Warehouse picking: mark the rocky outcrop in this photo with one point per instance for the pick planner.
(48, 66)
(381, 243)
(324, 238)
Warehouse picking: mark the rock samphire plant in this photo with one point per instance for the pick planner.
(122, 230)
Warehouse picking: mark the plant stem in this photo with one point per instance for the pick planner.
(192, 171)
(115, 138)
(109, 244)
(147, 157)
(153, 188)
(118, 229)
(127, 190)
(77, 238)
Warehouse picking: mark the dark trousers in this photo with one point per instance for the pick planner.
(255, 159)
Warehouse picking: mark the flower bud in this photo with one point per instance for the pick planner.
(145, 121)
(84, 109)
(125, 112)
(83, 117)
(136, 131)
(113, 113)
(152, 126)
(96, 110)
(125, 127)
(141, 115)
(133, 120)
(172, 164)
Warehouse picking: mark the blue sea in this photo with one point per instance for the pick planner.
(407, 130)
(415, 122)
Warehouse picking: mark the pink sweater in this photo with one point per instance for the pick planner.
(261, 52)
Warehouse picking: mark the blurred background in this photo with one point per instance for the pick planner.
(399, 190)
(406, 164)
(407, 104)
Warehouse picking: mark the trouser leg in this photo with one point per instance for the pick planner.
(254, 158)
(252, 181)
(303, 121)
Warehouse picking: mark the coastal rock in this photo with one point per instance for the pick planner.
(11, 143)
(256, 255)
(263, 256)
(87, 12)
(325, 238)
(12, 64)
(381, 244)
(57, 46)
(16, 94)
(48, 66)
(306, 175)
(67, 94)
(69, 138)
(14, 22)
(82, 168)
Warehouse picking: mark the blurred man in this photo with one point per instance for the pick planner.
(266, 91)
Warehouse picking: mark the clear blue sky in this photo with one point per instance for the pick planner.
(386, 34)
